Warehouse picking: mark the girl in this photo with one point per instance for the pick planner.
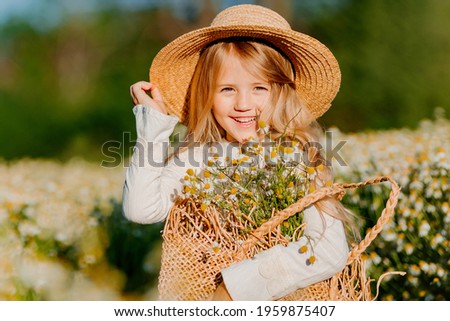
(219, 81)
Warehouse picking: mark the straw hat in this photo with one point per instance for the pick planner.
(317, 74)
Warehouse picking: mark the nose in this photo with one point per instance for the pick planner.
(243, 103)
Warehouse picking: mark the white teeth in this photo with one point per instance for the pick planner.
(245, 120)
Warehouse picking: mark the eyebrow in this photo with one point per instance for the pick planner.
(253, 84)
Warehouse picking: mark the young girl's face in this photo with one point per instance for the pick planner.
(239, 97)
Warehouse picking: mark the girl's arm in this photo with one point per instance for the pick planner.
(281, 270)
(150, 184)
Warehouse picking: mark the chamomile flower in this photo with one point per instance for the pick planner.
(207, 187)
(216, 247)
(272, 157)
(263, 127)
(288, 154)
(221, 177)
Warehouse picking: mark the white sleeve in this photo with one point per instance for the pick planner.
(150, 184)
(281, 270)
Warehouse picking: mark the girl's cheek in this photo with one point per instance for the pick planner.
(261, 106)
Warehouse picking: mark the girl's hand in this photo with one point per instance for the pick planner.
(221, 294)
(139, 93)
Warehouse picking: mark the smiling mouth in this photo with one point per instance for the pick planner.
(244, 120)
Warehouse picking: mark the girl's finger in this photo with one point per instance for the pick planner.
(146, 86)
(156, 94)
(139, 86)
(140, 95)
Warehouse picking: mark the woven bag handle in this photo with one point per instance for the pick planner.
(336, 190)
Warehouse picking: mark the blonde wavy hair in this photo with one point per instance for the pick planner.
(286, 114)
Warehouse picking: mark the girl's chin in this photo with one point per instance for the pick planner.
(241, 136)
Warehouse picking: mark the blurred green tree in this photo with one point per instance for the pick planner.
(394, 60)
(64, 91)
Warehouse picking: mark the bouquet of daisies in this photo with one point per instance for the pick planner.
(257, 179)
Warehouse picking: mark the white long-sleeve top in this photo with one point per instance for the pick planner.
(151, 187)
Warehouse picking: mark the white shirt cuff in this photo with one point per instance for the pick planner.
(152, 125)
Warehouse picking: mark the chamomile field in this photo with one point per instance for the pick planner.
(63, 236)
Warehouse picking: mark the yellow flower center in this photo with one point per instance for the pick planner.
(262, 123)
(288, 150)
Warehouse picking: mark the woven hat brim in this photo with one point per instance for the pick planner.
(317, 71)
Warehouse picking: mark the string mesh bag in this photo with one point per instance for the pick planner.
(199, 243)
